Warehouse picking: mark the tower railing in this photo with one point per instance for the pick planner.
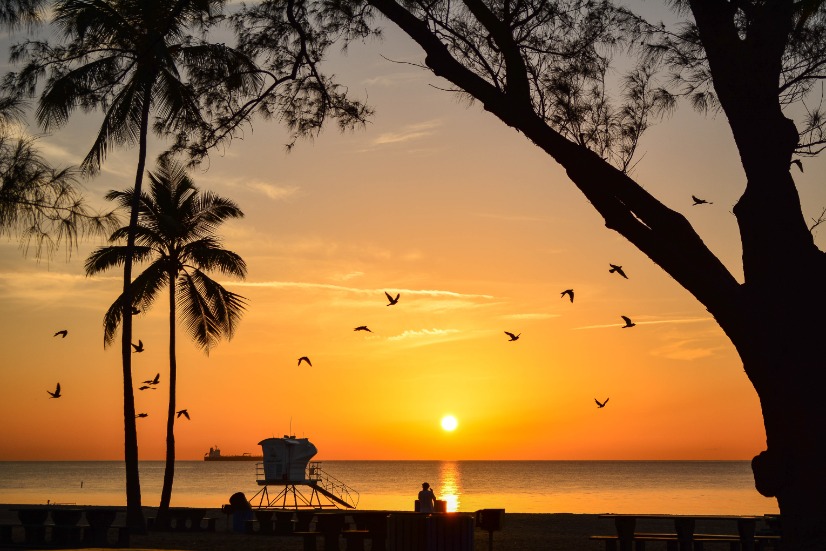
(331, 484)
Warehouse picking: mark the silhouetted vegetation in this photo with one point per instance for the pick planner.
(176, 236)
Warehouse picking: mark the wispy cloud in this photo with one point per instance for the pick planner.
(342, 288)
(348, 276)
(650, 322)
(54, 287)
(422, 333)
(408, 133)
(685, 349)
(527, 316)
(273, 191)
(511, 217)
(396, 79)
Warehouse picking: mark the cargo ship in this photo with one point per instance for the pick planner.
(214, 454)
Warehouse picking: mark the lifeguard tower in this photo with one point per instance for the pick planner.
(302, 482)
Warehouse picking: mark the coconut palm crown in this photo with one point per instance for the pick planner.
(176, 235)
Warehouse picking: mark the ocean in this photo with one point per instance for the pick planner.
(663, 487)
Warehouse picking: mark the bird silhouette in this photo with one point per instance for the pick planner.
(601, 404)
(512, 336)
(617, 269)
(154, 381)
(362, 328)
(628, 322)
(139, 346)
(305, 359)
(62, 333)
(141, 415)
(698, 201)
(135, 311)
(391, 299)
(183, 412)
(144, 387)
(569, 292)
(56, 393)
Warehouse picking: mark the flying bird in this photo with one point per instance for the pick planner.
(305, 359)
(362, 328)
(62, 333)
(144, 387)
(617, 269)
(512, 336)
(183, 412)
(698, 201)
(569, 292)
(141, 415)
(154, 381)
(139, 346)
(391, 299)
(601, 404)
(56, 393)
(628, 322)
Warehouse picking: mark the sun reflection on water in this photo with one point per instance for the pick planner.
(450, 485)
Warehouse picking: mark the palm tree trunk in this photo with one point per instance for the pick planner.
(134, 513)
(169, 470)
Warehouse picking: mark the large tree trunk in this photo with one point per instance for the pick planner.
(793, 468)
(169, 470)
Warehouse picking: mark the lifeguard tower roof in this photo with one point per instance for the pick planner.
(286, 459)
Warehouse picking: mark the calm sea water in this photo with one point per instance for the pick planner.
(676, 487)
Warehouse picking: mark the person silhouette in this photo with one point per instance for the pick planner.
(427, 499)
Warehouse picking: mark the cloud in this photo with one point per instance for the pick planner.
(274, 192)
(650, 322)
(56, 287)
(422, 333)
(408, 133)
(395, 79)
(356, 290)
(685, 349)
(535, 316)
(348, 276)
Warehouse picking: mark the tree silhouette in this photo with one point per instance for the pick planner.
(38, 202)
(130, 59)
(540, 66)
(176, 235)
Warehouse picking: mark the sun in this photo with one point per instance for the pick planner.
(449, 423)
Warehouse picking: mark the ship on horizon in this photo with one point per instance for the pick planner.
(214, 454)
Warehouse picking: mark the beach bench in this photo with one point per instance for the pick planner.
(375, 523)
(684, 537)
(697, 543)
(183, 519)
(430, 532)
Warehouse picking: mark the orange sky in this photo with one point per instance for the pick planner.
(479, 232)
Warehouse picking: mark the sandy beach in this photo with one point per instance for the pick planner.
(521, 532)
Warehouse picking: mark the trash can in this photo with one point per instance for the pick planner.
(490, 519)
(241, 511)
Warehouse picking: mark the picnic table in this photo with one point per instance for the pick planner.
(684, 537)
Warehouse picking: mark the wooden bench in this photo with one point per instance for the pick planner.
(696, 543)
(184, 519)
(354, 539)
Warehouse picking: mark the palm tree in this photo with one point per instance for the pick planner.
(175, 233)
(129, 58)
